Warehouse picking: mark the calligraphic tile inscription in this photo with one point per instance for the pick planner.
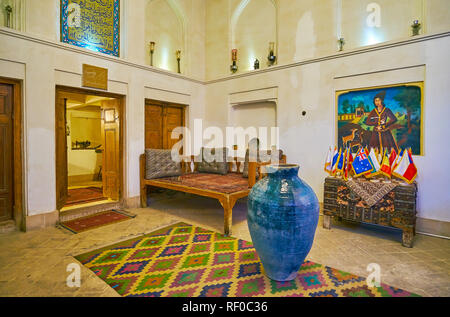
(92, 24)
(95, 77)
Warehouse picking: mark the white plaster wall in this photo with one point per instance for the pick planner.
(311, 87)
(42, 65)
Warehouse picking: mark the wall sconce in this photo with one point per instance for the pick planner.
(178, 54)
(341, 43)
(416, 26)
(234, 66)
(272, 58)
(8, 10)
(152, 50)
(256, 64)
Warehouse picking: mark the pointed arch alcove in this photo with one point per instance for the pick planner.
(169, 33)
(253, 25)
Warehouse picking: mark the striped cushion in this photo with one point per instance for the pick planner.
(159, 163)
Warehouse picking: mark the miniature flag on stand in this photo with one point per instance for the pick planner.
(406, 169)
(335, 162)
(361, 164)
(397, 160)
(341, 162)
(375, 163)
(348, 164)
(385, 168)
(328, 162)
(392, 157)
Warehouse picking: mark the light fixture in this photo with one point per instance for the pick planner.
(178, 55)
(272, 58)
(8, 10)
(152, 50)
(416, 26)
(341, 43)
(256, 64)
(234, 66)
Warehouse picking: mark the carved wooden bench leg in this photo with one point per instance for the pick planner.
(228, 204)
(407, 237)
(144, 196)
(326, 222)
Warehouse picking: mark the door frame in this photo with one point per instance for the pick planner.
(18, 204)
(163, 104)
(122, 129)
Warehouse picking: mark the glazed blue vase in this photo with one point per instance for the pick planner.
(283, 212)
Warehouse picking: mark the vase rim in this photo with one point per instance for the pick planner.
(280, 167)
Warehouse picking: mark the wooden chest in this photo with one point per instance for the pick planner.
(397, 209)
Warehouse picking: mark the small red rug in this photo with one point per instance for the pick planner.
(94, 221)
(84, 195)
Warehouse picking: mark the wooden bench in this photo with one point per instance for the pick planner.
(226, 198)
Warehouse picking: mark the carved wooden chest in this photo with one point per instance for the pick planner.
(397, 209)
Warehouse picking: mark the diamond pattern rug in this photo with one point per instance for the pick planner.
(188, 261)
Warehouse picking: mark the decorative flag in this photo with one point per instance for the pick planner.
(375, 163)
(392, 157)
(348, 164)
(385, 168)
(406, 169)
(341, 162)
(397, 160)
(328, 162)
(361, 164)
(335, 163)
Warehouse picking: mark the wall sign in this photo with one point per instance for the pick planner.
(91, 24)
(95, 77)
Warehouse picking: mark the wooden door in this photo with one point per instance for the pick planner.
(111, 149)
(153, 126)
(61, 151)
(173, 118)
(6, 153)
(160, 121)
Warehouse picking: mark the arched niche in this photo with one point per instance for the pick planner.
(253, 25)
(17, 16)
(165, 25)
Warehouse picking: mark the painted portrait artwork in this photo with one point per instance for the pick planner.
(387, 117)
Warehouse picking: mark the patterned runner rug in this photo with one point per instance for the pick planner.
(187, 261)
(96, 220)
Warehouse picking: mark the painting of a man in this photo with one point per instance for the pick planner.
(381, 118)
(387, 117)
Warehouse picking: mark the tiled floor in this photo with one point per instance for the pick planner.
(34, 263)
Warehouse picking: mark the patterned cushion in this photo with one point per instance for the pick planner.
(214, 167)
(261, 155)
(159, 163)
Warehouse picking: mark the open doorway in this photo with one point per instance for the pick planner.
(88, 148)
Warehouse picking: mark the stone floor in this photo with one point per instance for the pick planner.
(34, 263)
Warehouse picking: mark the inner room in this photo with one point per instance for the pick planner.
(224, 148)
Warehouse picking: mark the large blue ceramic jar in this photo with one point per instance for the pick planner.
(283, 212)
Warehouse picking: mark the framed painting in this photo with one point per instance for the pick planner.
(92, 24)
(383, 117)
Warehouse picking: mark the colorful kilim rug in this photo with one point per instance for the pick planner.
(96, 220)
(77, 196)
(187, 261)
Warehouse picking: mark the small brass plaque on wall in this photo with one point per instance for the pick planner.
(95, 77)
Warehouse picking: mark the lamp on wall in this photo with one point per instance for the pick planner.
(416, 26)
(272, 58)
(8, 10)
(256, 64)
(234, 66)
(341, 43)
(152, 50)
(178, 55)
